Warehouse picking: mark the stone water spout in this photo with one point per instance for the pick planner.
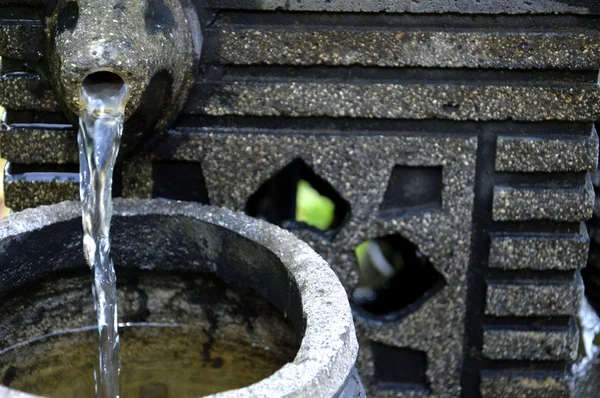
(153, 46)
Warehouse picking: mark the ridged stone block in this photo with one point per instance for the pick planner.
(541, 252)
(534, 298)
(512, 344)
(530, 384)
(569, 204)
(539, 154)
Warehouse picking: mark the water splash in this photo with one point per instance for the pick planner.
(100, 127)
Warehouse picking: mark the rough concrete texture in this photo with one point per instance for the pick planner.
(560, 204)
(412, 101)
(328, 349)
(400, 46)
(39, 146)
(539, 253)
(137, 178)
(509, 344)
(534, 298)
(528, 384)
(528, 154)
(435, 6)
(21, 41)
(235, 165)
(26, 92)
(32, 192)
(397, 40)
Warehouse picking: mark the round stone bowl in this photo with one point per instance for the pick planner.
(171, 238)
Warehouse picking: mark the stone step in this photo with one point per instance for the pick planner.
(534, 295)
(542, 198)
(539, 251)
(548, 153)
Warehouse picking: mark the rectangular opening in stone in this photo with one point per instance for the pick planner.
(412, 189)
(399, 369)
(179, 181)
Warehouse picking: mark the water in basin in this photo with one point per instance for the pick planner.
(182, 335)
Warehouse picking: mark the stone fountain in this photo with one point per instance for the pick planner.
(462, 132)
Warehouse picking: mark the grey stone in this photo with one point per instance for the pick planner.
(534, 203)
(528, 154)
(413, 101)
(26, 92)
(32, 192)
(336, 89)
(39, 146)
(399, 46)
(20, 41)
(534, 298)
(506, 344)
(259, 255)
(540, 253)
(236, 163)
(466, 6)
(526, 384)
(118, 36)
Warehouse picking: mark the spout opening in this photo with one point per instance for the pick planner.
(103, 93)
(103, 83)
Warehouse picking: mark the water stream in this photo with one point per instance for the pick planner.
(101, 125)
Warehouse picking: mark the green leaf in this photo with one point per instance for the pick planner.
(313, 208)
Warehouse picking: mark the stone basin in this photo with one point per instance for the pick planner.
(186, 263)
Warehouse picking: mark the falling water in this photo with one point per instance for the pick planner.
(101, 125)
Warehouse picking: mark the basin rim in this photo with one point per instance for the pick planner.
(329, 348)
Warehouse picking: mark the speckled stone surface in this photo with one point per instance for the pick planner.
(539, 253)
(525, 384)
(137, 178)
(24, 194)
(328, 349)
(466, 6)
(528, 154)
(39, 146)
(236, 164)
(416, 101)
(21, 40)
(455, 102)
(401, 46)
(424, 42)
(560, 204)
(26, 92)
(534, 298)
(531, 345)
